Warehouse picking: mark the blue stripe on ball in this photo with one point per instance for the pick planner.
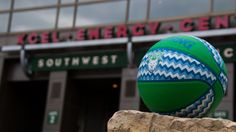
(173, 65)
(223, 81)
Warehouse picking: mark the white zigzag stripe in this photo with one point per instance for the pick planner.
(223, 76)
(142, 64)
(179, 56)
(189, 69)
(207, 108)
(169, 74)
(143, 73)
(183, 110)
(199, 107)
(164, 73)
(145, 57)
(224, 81)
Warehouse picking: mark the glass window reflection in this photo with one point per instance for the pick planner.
(224, 5)
(3, 22)
(33, 20)
(67, 1)
(5, 4)
(66, 17)
(33, 3)
(89, 0)
(137, 10)
(169, 8)
(101, 13)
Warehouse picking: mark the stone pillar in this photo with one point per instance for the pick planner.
(226, 107)
(129, 97)
(55, 102)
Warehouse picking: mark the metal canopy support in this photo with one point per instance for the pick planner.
(24, 62)
(130, 52)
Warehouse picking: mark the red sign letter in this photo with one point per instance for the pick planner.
(80, 35)
(121, 31)
(222, 22)
(32, 38)
(93, 33)
(138, 29)
(55, 37)
(203, 23)
(20, 39)
(186, 25)
(154, 26)
(44, 37)
(108, 31)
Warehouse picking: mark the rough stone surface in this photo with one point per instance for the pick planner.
(136, 121)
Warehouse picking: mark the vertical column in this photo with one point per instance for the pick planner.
(2, 95)
(55, 102)
(226, 107)
(1, 69)
(129, 97)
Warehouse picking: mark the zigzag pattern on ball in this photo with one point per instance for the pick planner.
(198, 109)
(224, 81)
(214, 52)
(174, 66)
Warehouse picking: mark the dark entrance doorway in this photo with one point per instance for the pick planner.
(23, 106)
(90, 103)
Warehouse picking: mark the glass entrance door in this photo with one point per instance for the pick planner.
(93, 102)
(23, 106)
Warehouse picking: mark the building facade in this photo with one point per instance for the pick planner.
(68, 65)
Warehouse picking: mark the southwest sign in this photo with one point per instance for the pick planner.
(90, 60)
(106, 59)
(138, 29)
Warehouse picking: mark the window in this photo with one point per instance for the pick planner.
(66, 17)
(33, 20)
(168, 8)
(67, 1)
(3, 22)
(33, 3)
(101, 13)
(88, 0)
(137, 10)
(224, 5)
(5, 4)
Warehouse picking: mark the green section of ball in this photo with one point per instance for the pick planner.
(225, 69)
(171, 96)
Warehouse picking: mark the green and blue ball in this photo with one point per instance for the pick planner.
(182, 76)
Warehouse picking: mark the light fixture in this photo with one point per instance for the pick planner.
(114, 85)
